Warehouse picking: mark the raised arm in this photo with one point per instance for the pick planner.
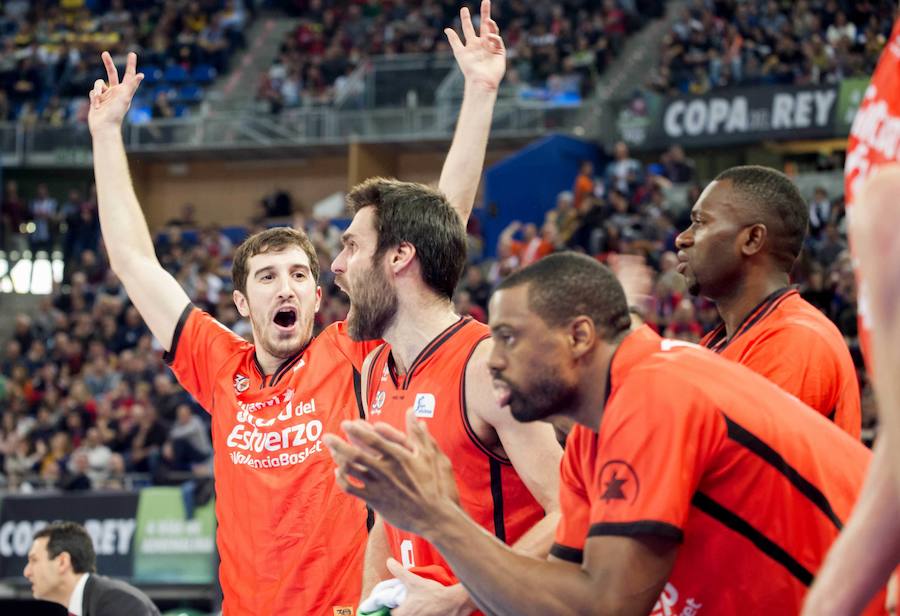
(482, 60)
(155, 293)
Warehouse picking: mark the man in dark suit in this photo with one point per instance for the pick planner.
(61, 569)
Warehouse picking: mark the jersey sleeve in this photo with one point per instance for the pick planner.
(199, 345)
(571, 532)
(355, 352)
(654, 444)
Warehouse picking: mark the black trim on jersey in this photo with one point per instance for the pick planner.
(745, 438)
(497, 498)
(639, 527)
(564, 552)
(357, 390)
(739, 525)
(283, 368)
(169, 356)
(379, 351)
(761, 311)
(432, 346)
(464, 411)
(262, 373)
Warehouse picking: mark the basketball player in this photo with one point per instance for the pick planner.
(404, 253)
(680, 494)
(747, 229)
(289, 541)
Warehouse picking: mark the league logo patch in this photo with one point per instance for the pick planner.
(619, 481)
(241, 383)
(424, 405)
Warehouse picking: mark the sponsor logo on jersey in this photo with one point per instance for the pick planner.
(424, 405)
(667, 604)
(241, 383)
(620, 482)
(341, 611)
(380, 397)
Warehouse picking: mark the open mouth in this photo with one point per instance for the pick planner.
(286, 318)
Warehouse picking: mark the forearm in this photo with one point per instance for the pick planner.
(868, 548)
(462, 169)
(125, 231)
(502, 581)
(536, 542)
(377, 552)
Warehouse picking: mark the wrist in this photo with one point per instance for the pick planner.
(106, 133)
(480, 87)
(461, 603)
(443, 527)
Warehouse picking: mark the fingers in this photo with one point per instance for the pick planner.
(112, 76)
(485, 16)
(131, 65)
(361, 434)
(348, 457)
(495, 42)
(397, 569)
(453, 38)
(493, 28)
(468, 29)
(417, 432)
(391, 433)
(94, 95)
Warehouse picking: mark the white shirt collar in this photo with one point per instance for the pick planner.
(76, 601)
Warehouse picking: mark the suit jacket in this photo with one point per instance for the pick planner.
(104, 596)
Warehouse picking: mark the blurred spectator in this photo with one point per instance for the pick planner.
(819, 212)
(584, 185)
(623, 172)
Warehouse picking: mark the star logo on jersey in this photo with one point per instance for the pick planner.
(619, 482)
(379, 402)
(424, 405)
(241, 383)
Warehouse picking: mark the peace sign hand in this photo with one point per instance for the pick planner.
(482, 59)
(110, 100)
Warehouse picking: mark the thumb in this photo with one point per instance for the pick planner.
(400, 572)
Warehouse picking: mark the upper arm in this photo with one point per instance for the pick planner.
(156, 294)
(629, 573)
(532, 448)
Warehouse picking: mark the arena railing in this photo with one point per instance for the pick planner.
(293, 129)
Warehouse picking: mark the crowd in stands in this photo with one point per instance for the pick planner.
(86, 400)
(50, 50)
(720, 43)
(554, 48)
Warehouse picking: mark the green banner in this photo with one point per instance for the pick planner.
(169, 548)
(849, 99)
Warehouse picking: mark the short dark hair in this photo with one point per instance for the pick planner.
(270, 240)
(566, 285)
(422, 216)
(70, 537)
(772, 198)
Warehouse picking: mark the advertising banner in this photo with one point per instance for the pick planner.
(169, 546)
(738, 115)
(108, 517)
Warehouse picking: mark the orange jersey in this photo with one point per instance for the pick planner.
(790, 342)
(290, 541)
(752, 483)
(874, 141)
(490, 490)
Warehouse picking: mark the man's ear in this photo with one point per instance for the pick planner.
(401, 257)
(240, 301)
(753, 239)
(63, 562)
(582, 336)
(318, 297)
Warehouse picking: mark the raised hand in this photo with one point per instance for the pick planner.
(110, 100)
(482, 59)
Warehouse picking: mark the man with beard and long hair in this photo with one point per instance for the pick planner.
(289, 540)
(403, 255)
(680, 493)
(747, 230)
